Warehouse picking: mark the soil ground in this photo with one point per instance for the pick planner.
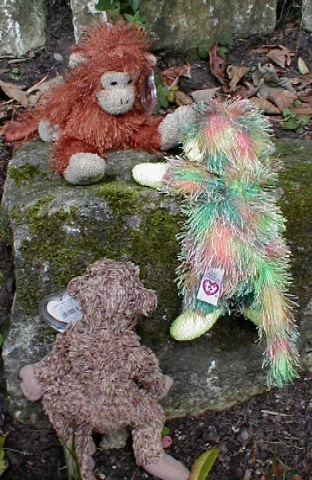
(267, 437)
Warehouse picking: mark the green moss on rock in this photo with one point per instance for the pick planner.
(61, 241)
(25, 173)
(296, 205)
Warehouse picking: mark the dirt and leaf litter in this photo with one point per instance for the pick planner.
(274, 77)
(281, 87)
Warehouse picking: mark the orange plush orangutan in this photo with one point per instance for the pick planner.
(102, 105)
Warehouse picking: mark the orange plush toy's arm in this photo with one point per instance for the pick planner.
(147, 135)
(24, 128)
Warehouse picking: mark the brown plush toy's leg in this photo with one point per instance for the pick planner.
(84, 448)
(147, 444)
(78, 445)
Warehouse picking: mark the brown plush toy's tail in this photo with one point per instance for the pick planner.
(24, 128)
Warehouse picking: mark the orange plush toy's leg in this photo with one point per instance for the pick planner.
(77, 161)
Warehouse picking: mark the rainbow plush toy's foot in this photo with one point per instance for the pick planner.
(253, 315)
(190, 325)
(150, 174)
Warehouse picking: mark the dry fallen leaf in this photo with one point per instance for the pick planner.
(302, 82)
(205, 96)
(236, 73)
(303, 69)
(263, 104)
(170, 76)
(281, 98)
(304, 109)
(217, 64)
(182, 98)
(281, 56)
(14, 92)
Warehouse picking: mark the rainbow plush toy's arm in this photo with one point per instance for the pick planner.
(172, 131)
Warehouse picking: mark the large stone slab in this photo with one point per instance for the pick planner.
(307, 15)
(181, 26)
(58, 229)
(22, 26)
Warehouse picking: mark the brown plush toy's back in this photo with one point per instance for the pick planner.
(98, 377)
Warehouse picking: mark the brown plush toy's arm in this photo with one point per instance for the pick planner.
(146, 373)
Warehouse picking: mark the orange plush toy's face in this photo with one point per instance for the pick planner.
(118, 94)
(115, 67)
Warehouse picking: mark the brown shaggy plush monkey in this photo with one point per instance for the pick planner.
(98, 108)
(98, 377)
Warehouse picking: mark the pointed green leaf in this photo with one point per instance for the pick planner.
(203, 464)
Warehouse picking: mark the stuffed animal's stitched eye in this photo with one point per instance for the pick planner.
(113, 83)
(130, 81)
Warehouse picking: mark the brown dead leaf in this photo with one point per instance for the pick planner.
(217, 64)
(281, 56)
(304, 109)
(204, 96)
(305, 97)
(281, 98)
(14, 92)
(261, 50)
(252, 90)
(182, 98)
(235, 74)
(302, 82)
(263, 104)
(171, 76)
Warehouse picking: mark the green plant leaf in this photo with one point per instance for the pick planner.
(223, 51)
(134, 4)
(297, 102)
(3, 463)
(290, 124)
(165, 431)
(1, 343)
(225, 39)
(106, 5)
(128, 17)
(203, 464)
(289, 113)
(304, 120)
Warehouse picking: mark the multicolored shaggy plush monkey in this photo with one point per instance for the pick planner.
(99, 378)
(233, 256)
(104, 104)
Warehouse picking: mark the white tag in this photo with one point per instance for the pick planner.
(210, 286)
(65, 310)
